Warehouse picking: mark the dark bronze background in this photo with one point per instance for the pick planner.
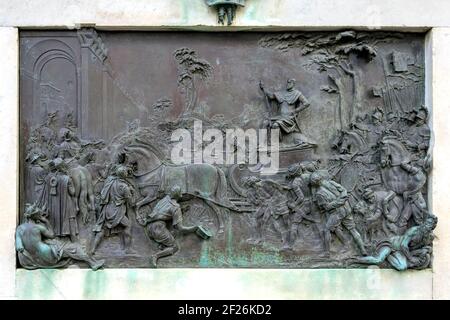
(107, 80)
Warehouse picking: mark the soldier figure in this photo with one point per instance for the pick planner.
(272, 202)
(279, 211)
(301, 207)
(376, 127)
(375, 211)
(332, 199)
(417, 137)
(257, 196)
(155, 224)
(414, 203)
(117, 196)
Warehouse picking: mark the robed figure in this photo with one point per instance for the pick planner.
(36, 174)
(57, 199)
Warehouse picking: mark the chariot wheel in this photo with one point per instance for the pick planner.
(197, 212)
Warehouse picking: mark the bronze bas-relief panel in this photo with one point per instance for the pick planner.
(100, 188)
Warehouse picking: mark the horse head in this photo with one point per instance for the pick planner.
(352, 142)
(142, 156)
(393, 152)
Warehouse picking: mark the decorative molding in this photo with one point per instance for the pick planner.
(89, 38)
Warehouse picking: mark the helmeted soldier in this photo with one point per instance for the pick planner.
(278, 210)
(332, 199)
(301, 206)
(414, 203)
(376, 127)
(417, 137)
(117, 196)
(258, 197)
(375, 212)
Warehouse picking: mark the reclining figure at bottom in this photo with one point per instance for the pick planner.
(37, 246)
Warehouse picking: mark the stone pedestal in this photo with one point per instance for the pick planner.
(402, 15)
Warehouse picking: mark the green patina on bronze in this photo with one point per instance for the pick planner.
(100, 179)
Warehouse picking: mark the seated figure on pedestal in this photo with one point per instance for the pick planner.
(289, 103)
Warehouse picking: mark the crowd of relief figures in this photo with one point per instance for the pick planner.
(99, 187)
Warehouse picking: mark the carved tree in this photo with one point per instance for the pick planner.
(334, 54)
(192, 71)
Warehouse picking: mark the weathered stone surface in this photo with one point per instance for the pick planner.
(9, 138)
(439, 41)
(389, 14)
(229, 284)
(117, 14)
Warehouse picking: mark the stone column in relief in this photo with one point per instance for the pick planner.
(93, 56)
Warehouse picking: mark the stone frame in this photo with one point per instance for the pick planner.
(233, 283)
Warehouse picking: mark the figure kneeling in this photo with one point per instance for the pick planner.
(155, 224)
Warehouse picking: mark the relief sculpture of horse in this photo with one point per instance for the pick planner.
(394, 175)
(349, 166)
(155, 177)
(404, 178)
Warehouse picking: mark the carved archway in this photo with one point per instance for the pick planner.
(53, 88)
